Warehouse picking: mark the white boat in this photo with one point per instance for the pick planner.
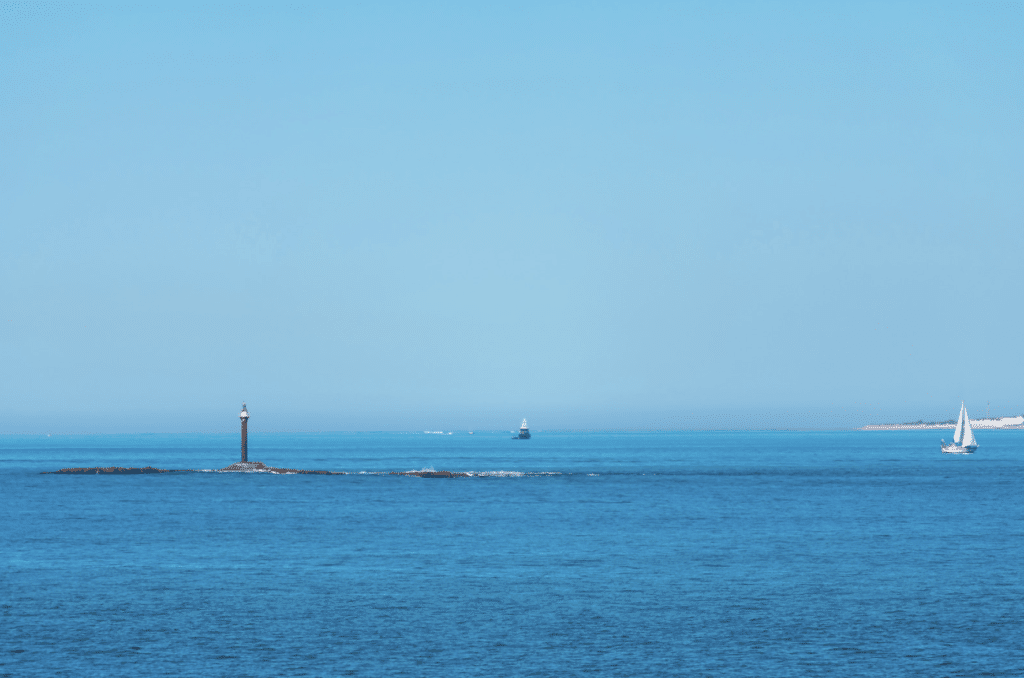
(963, 438)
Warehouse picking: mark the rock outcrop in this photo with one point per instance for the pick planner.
(260, 467)
(250, 467)
(118, 470)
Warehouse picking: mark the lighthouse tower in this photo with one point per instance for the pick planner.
(244, 416)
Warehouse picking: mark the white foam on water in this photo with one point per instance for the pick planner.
(512, 474)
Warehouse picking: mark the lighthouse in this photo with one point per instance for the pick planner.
(246, 466)
(244, 416)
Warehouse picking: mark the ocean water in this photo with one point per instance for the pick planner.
(614, 554)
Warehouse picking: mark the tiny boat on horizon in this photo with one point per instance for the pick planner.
(963, 438)
(524, 432)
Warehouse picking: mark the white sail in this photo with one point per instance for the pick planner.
(968, 439)
(958, 436)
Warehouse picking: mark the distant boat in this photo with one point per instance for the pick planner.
(963, 437)
(524, 432)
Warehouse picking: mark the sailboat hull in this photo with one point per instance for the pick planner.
(957, 449)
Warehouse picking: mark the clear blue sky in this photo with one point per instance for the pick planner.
(450, 215)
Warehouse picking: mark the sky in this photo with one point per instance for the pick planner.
(432, 215)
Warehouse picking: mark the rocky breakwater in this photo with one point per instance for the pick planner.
(260, 467)
(116, 470)
(431, 474)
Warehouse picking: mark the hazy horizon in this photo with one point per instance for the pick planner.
(137, 423)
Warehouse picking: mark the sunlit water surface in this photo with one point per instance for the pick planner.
(661, 554)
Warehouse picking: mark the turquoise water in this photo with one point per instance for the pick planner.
(663, 554)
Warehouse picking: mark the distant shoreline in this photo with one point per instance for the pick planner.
(1000, 423)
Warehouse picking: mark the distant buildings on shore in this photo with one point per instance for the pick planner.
(1000, 422)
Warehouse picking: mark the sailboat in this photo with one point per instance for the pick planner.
(963, 438)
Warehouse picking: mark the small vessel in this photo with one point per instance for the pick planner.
(524, 432)
(963, 438)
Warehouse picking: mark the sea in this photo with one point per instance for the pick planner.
(756, 553)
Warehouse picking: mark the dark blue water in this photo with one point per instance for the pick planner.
(717, 554)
